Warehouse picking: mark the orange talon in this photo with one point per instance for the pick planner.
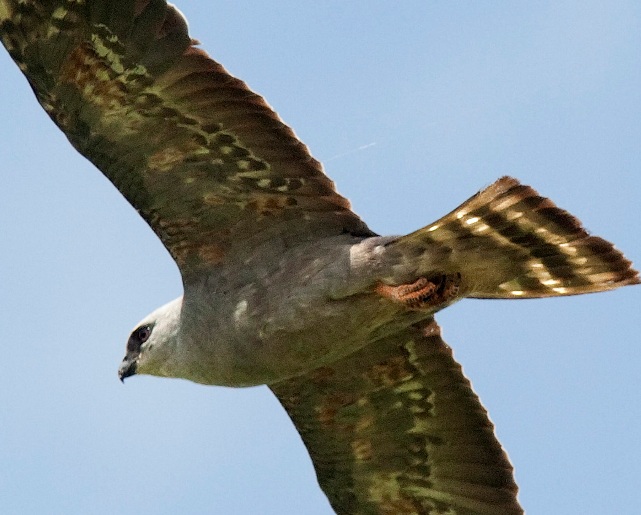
(423, 293)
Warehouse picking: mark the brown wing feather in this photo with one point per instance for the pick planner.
(396, 429)
(203, 159)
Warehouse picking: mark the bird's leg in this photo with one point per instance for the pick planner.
(423, 293)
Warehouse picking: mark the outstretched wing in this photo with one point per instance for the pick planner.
(204, 160)
(396, 429)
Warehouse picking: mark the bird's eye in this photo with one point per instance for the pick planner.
(143, 333)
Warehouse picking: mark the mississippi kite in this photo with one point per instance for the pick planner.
(284, 284)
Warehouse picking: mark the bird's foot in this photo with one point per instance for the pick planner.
(423, 293)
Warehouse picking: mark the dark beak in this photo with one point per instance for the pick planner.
(127, 368)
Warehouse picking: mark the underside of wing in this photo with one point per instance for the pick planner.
(396, 429)
(204, 160)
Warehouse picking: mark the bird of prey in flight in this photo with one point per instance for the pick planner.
(283, 284)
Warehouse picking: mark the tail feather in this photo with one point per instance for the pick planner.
(507, 241)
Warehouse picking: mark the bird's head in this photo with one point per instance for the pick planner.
(152, 344)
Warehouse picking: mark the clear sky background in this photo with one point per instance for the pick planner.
(413, 106)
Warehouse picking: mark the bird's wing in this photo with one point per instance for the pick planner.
(203, 159)
(396, 429)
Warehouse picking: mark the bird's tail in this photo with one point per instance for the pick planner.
(509, 242)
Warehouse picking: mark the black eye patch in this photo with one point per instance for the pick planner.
(143, 333)
(138, 337)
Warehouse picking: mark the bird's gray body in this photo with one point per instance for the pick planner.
(273, 313)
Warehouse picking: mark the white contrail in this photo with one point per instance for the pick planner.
(343, 154)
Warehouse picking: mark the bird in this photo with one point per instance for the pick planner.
(283, 284)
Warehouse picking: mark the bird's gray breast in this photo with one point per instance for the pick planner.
(269, 315)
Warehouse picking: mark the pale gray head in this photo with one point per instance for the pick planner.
(152, 346)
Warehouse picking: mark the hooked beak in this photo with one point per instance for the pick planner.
(127, 368)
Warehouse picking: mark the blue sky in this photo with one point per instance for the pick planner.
(413, 106)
